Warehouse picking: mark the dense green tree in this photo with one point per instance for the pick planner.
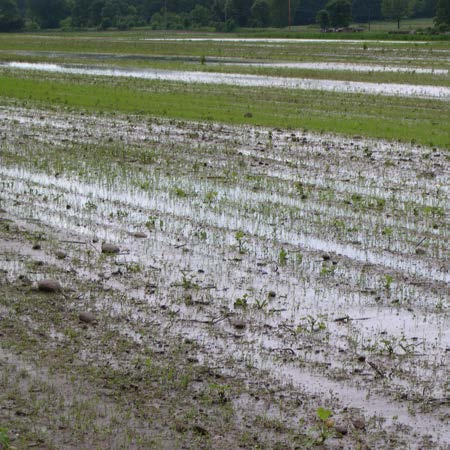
(239, 11)
(223, 14)
(81, 13)
(305, 11)
(200, 16)
(423, 8)
(280, 12)
(395, 9)
(323, 19)
(340, 12)
(366, 10)
(442, 19)
(10, 19)
(260, 13)
(48, 13)
(218, 11)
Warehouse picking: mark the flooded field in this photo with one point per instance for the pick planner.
(391, 89)
(201, 247)
(281, 40)
(302, 271)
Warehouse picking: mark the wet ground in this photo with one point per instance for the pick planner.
(238, 79)
(313, 265)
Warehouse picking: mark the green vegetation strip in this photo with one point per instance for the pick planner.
(407, 120)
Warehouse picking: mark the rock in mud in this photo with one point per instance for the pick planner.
(49, 285)
(341, 428)
(87, 317)
(359, 423)
(199, 429)
(110, 248)
(139, 235)
(239, 324)
(60, 254)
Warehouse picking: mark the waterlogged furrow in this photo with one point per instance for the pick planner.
(324, 210)
(256, 225)
(336, 195)
(313, 64)
(349, 67)
(97, 214)
(225, 344)
(325, 313)
(386, 171)
(257, 343)
(237, 280)
(244, 80)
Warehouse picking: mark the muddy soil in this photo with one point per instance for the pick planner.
(257, 276)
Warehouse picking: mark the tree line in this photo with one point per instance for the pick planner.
(222, 15)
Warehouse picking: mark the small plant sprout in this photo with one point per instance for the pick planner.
(239, 236)
(241, 302)
(282, 257)
(311, 324)
(388, 280)
(210, 196)
(4, 439)
(261, 304)
(319, 433)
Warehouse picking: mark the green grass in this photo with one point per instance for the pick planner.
(421, 121)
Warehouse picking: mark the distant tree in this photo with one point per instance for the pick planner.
(423, 8)
(395, 9)
(81, 13)
(48, 13)
(305, 11)
(340, 12)
(238, 10)
(323, 19)
(366, 10)
(10, 19)
(260, 13)
(200, 16)
(442, 19)
(279, 12)
(218, 11)
(149, 7)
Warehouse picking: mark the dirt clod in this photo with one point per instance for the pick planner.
(359, 423)
(239, 324)
(87, 317)
(49, 285)
(139, 235)
(60, 254)
(199, 429)
(341, 428)
(110, 248)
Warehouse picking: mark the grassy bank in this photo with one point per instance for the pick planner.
(403, 119)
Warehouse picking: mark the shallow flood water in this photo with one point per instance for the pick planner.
(324, 271)
(348, 67)
(282, 40)
(390, 89)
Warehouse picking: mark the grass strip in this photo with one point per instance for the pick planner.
(392, 118)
